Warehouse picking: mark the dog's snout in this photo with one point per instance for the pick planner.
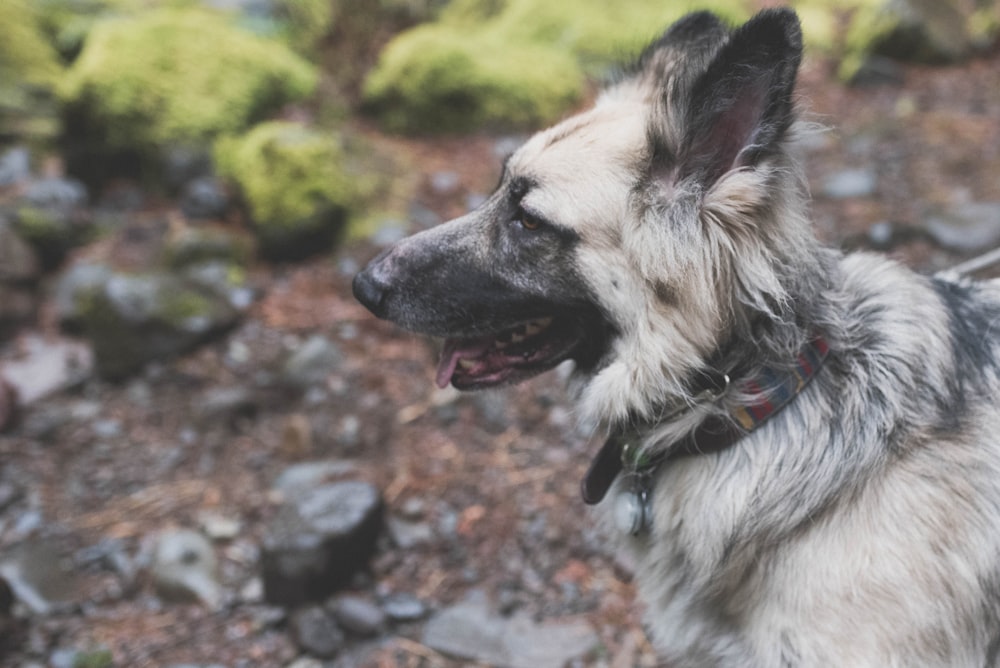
(369, 291)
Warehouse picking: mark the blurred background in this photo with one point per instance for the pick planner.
(210, 455)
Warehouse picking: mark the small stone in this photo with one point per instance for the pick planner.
(850, 183)
(407, 535)
(357, 615)
(184, 567)
(311, 363)
(36, 574)
(204, 198)
(46, 366)
(404, 608)
(224, 405)
(219, 527)
(316, 633)
(296, 436)
(970, 227)
(319, 540)
(299, 478)
(305, 662)
(15, 166)
(445, 182)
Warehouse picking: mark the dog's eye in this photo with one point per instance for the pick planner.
(529, 221)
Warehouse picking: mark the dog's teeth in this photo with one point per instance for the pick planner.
(532, 328)
(466, 364)
(516, 338)
(544, 322)
(500, 345)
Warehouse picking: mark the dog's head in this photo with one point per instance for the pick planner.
(634, 237)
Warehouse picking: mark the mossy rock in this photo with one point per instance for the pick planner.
(134, 319)
(294, 185)
(29, 70)
(510, 64)
(434, 79)
(193, 245)
(178, 76)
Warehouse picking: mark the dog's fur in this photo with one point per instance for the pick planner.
(666, 232)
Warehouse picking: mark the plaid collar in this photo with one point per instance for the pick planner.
(773, 389)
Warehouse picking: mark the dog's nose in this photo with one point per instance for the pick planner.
(368, 291)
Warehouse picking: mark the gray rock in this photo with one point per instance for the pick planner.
(18, 262)
(967, 228)
(300, 478)
(389, 232)
(73, 289)
(48, 365)
(51, 215)
(404, 608)
(204, 198)
(850, 183)
(184, 568)
(928, 31)
(224, 405)
(311, 363)
(222, 279)
(136, 319)
(472, 631)
(319, 539)
(15, 166)
(36, 574)
(445, 182)
(406, 534)
(357, 615)
(316, 633)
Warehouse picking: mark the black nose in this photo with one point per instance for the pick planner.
(368, 291)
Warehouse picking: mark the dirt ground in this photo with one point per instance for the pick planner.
(497, 475)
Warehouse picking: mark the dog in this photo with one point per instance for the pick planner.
(803, 446)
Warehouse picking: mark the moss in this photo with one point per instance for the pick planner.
(179, 76)
(292, 180)
(29, 69)
(513, 63)
(436, 79)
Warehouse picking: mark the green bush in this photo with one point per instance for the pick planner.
(179, 76)
(293, 183)
(29, 69)
(510, 63)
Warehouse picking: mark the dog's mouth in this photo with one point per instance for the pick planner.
(511, 355)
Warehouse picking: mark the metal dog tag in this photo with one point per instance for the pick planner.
(631, 513)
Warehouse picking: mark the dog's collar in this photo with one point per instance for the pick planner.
(772, 388)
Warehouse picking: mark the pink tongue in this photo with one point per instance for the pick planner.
(456, 349)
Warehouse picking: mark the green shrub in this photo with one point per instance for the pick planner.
(179, 76)
(295, 188)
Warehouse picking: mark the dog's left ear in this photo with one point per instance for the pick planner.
(739, 109)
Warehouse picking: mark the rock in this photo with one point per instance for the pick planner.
(15, 167)
(295, 184)
(300, 478)
(74, 288)
(9, 494)
(224, 405)
(221, 279)
(316, 632)
(850, 183)
(36, 574)
(406, 534)
(18, 262)
(967, 228)
(357, 615)
(404, 608)
(17, 307)
(319, 539)
(471, 631)
(311, 363)
(133, 84)
(8, 404)
(187, 245)
(184, 568)
(51, 215)
(136, 319)
(47, 366)
(219, 527)
(204, 198)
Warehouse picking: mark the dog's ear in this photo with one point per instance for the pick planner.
(739, 108)
(691, 36)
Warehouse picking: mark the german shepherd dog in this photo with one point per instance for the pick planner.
(803, 447)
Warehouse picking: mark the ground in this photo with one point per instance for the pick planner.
(495, 475)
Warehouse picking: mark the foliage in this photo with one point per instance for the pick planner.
(292, 179)
(179, 75)
(29, 68)
(513, 63)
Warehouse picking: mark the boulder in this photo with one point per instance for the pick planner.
(133, 319)
(173, 77)
(294, 185)
(52, 216)
(319, 540)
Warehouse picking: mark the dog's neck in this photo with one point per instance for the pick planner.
(769, 390)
